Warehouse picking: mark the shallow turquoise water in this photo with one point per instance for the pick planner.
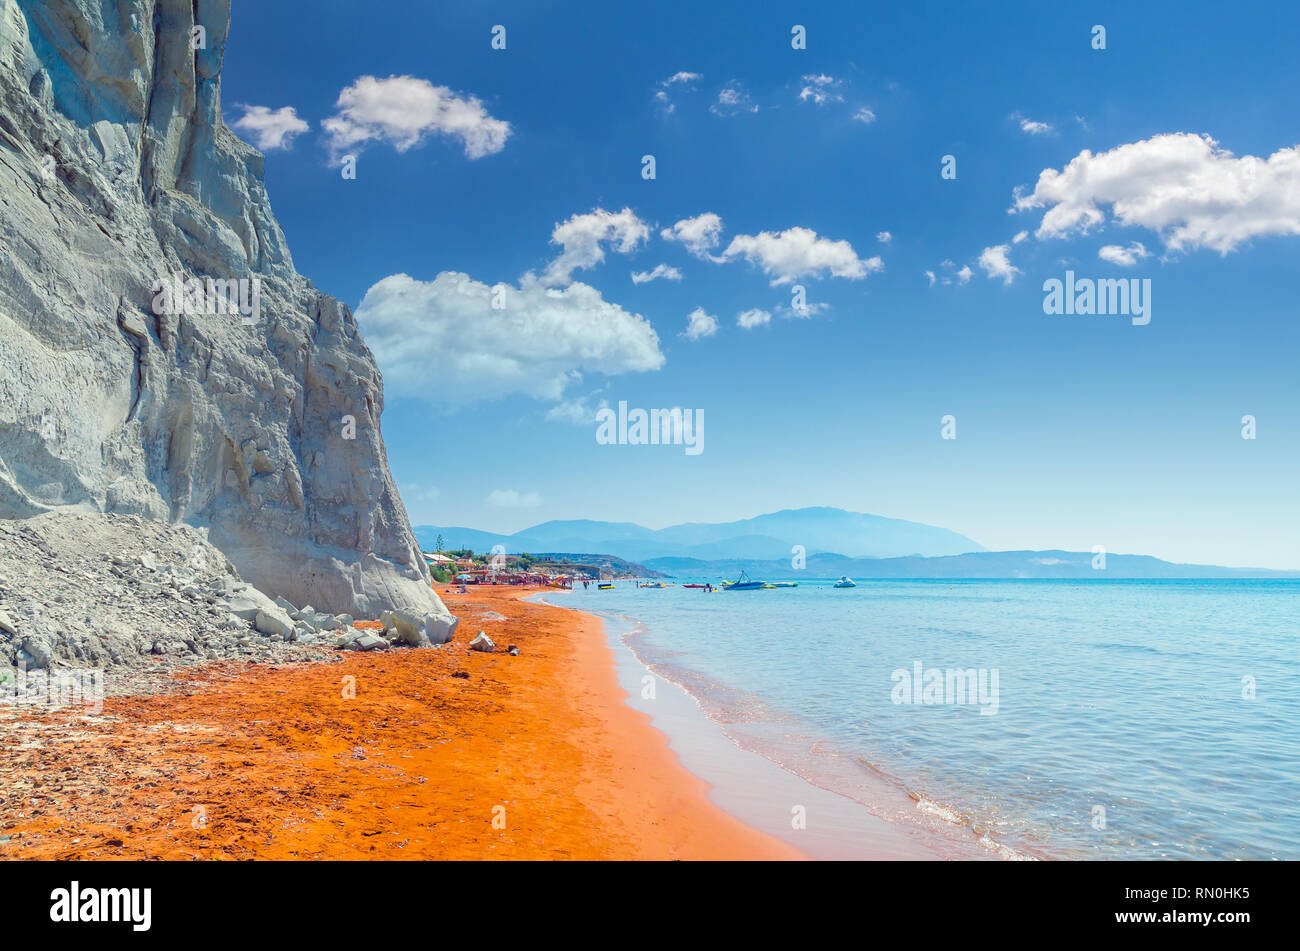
(1120, 730)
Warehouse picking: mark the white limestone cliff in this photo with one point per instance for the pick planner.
(117, 171)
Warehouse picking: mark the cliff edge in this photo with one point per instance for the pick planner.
(121, 391)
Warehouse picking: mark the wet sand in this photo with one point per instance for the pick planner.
(532, 757)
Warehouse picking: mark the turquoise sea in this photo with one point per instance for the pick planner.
(1104, 719)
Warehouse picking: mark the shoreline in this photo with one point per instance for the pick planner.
(763, 792)
(531, 757)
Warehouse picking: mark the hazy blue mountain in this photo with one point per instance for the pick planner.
(765, 537)
(986, 564)
(454, 538)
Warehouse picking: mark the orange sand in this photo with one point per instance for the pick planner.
(254, 761)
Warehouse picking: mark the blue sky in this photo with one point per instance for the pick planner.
(1072, 431)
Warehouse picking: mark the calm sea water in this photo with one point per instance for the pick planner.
(1145, 720)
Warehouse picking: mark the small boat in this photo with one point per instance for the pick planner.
(654, 584)
(844, 582)
(782, 584)
(743, 584)
(605, 586)
(694, 586)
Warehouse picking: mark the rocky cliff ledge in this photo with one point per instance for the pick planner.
(262, 431)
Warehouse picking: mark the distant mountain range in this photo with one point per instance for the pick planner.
(984, 564)
(764, 538)
(835, 542)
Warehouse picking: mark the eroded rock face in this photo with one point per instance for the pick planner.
(117, 172)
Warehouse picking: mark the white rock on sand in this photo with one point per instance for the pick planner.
(74, 598)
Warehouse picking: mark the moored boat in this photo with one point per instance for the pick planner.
(743, 584)
(844, 582)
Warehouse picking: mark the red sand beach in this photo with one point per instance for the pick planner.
(531, 757)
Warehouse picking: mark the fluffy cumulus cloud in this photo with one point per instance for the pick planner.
(1031, 126)
(405, 110)
(683, 78)
(1122, 256)
(995, 263)
(789, 255)
(665, 271)
(700, 234)
(819, 89)
(805, 311)
(749, 319)
(1183, 187)
(580, 410)
(445, 341)
(270, 129)
(700, 324)
(583, 239)
(733, 100)
(950, 274)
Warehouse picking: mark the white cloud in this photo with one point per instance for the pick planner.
(809, 309)
(513, 499)
(1121, 256)
(405, 110)
(951, 274)
(820, 89)
(1029, 126)
(800, 252)
(269, 128)
(578, 411)
(667, 272)
(1183, 187)
(414, 492)
(749, 319)
(864, 115)
(443, 340)
(995, 264)
(1020, 236)
(583, 238)
(698, 234)
(733, 100)
(699, 324)
(680, 78)
(884, 237)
